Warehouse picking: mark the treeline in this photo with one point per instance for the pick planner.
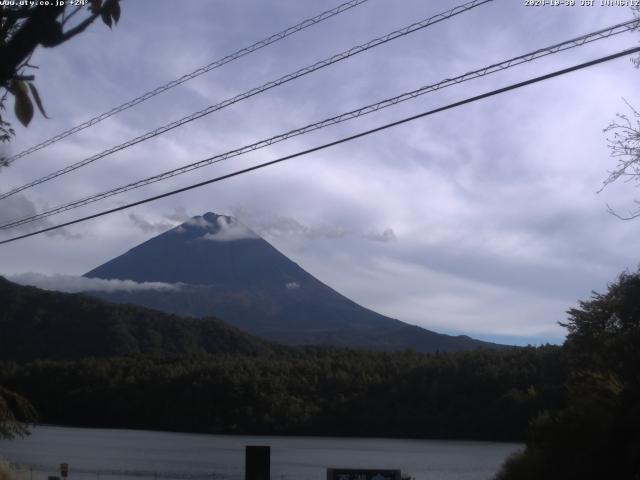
(83, 361)
(312, 391)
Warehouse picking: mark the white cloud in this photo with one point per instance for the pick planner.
(74, 284)
(168, 221)
(148, 226)
(199, 221)
(229, 230)
(292, 286)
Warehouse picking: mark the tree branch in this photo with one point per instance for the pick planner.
(82, 26)
(631, 216)
(68, 17)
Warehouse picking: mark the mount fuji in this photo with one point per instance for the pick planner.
(226, 270)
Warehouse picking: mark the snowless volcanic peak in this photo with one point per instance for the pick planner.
(226, 270)
(214, 227)
(210, 249)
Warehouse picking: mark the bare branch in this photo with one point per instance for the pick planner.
(26, 78)
(631, 216)
(624, 144)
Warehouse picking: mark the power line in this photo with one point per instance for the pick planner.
(254, 91)
(336, 142)
(189, 76)
(542, 52)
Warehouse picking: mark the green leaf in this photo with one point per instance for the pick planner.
(36, 97)
(115, 11)
(23, 107)
(106, 18)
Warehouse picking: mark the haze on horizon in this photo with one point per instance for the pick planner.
(483, 220)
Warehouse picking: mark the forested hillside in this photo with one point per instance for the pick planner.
(577, 405)
(480, 395)
(83, 361)
(38, 324)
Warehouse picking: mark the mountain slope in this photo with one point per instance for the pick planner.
(36, 323)
(228, 271)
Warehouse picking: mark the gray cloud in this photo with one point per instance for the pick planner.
(168, 221)
(20, 206)
(274, 226)
(482, 219)
(388, 235)
(179, 214)
(147, 226)
(74, 284)
(65, 234)
(16, 207)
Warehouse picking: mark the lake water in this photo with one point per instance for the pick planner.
(103, 454)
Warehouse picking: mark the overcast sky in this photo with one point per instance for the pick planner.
(481, 220)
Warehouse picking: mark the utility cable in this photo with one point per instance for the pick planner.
(254, 91)
(334, 143)
(542, 52)
(189, 76)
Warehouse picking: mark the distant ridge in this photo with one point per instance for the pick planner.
(39, 324)
(228, 271)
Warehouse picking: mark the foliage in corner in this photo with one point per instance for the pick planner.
(597, 434)
(9, 471)
(16, 412)
(25, 27)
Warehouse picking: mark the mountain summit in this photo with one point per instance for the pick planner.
(210, 250)
(228, 271)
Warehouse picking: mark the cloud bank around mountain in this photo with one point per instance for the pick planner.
(228, 229)
(76, 284)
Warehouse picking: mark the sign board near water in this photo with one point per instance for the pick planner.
(362, 474)
(257, 462)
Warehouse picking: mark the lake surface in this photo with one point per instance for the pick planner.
(104, 454)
